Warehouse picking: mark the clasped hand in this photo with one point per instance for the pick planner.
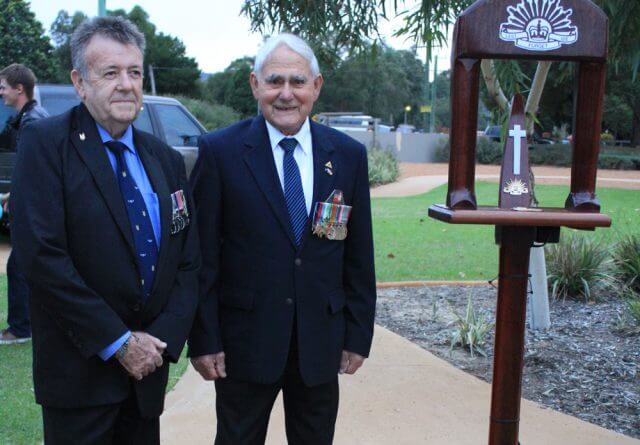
(211, 366)
(143, 356)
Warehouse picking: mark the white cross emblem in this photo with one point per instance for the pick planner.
(517, 133)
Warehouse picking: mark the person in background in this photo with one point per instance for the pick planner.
(17, 83)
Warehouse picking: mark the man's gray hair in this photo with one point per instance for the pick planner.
(112, 27)
(295, 44)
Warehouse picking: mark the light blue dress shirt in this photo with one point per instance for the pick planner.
(139, 175)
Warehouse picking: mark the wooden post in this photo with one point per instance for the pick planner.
(508, 355)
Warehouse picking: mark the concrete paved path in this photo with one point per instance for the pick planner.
(403, 395)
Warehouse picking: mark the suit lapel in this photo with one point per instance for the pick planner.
(86, 140)
(259, 159)
(323, 181)
(158, 181)
(325, 166)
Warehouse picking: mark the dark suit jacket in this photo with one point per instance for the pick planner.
(254, 279)
(73, 242)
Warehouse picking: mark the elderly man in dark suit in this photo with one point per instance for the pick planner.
(287, 285)
(102, 230)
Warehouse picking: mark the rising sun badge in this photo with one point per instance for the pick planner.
(539, 25)
(516, 187)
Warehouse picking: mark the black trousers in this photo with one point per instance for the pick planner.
(243, 408)
(117, 424)
(18, 300)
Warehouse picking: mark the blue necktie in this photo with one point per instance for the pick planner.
(141, 228)
(293, 192)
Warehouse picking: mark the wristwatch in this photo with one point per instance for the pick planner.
(120, 353)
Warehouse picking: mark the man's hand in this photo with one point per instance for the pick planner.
(211, 366)
(350, 362)
(143, 356)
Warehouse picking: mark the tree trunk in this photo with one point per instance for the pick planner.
(493, 84)
(533, 101)
(635, 129)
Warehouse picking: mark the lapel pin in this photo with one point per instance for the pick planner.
(82, 137)
(328, 168)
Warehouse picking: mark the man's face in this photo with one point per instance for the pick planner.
(112, 90)
(286, 89)
(10, 95)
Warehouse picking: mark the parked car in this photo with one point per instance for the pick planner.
(164, 117)
(493, 132)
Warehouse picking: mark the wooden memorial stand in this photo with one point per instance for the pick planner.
(559, 30)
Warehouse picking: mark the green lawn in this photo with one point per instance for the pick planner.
(20, 417)
(411, 246)
(422, 249)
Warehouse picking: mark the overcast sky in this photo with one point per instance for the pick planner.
(213, 31)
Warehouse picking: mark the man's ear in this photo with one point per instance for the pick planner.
(78, 83)
(317, 84)
(253, 81)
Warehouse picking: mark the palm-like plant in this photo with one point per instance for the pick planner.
(626, 257)
(577, 265)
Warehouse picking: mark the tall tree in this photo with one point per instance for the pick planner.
(61, 30)
(22, 40)
(231, 87)
(379, 81)
(174, 71)
(624, 47)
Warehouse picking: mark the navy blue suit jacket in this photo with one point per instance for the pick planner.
(253, 278)
(73, 241)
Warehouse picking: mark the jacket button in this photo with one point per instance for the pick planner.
(136, 307)
(289, 301)
(298, 261)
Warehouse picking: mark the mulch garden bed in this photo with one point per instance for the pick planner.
(585, 365)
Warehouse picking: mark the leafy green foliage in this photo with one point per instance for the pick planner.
(61, 30)
(378, 81)
(210, 115)
(471, 330)
(383, 167)
(174, 72)
(231, 87)
(577, 265)
(626, 258)
(488, 151)
(22, 40)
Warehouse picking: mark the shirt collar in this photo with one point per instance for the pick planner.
(126, 139)
(303, 136)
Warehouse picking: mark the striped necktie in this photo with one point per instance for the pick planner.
(141, 228)
(293, 192)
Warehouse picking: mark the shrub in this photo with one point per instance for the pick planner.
(383, 167)
(471, 331)
(559, 155)
(626, 258)
(209, 114)
(633, 308)
(607, 137)
(576, 266)
(442, 152)
(618, 162)
(488, 151)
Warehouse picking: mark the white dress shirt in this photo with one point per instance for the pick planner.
(303, 154)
